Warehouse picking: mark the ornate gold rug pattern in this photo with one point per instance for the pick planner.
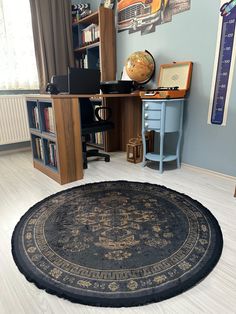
(117, 243)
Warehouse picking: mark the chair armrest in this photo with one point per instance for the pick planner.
(107, 109)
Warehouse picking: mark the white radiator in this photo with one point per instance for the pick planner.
(13, 120)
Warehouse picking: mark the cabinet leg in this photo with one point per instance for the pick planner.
(180, 137)
(178, 149)
(144, 163)
(161, 153)
(144, 149)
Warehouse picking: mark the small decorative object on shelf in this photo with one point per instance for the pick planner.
(135, 150)
(108, 3)
(80, 11)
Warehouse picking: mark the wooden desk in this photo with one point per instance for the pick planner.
(67, 164)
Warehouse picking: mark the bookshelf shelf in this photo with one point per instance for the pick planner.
(92, 18)
(86, 47)
(49, 136)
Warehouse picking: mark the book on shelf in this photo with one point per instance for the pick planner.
(52, 154)
(82, 62)
(48, 120)
(99, 138)
(35, 117)
(39, 148)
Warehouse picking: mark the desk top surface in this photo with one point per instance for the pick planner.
(94, 96)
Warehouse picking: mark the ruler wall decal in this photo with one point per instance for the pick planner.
(224, 64)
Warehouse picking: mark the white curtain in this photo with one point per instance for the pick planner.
(17, 57)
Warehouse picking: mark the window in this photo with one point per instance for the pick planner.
(17, 57)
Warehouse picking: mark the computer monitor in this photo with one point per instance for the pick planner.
(83, 81)
(78, 81)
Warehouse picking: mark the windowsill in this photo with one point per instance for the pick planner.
(19, 92)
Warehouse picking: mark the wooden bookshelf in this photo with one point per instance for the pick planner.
(56, 136)
(100, 54)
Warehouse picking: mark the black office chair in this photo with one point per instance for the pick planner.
(91, 123)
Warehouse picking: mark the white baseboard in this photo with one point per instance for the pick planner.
(13, 151)
(204, 170)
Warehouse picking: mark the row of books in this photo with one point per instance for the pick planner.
(90, 34)
(47, 117)
(97, 138)
(48, 120)
(35, 117)
(82, 62)
(52, 153)
(39, 148)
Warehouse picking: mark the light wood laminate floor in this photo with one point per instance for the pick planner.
(21, 186)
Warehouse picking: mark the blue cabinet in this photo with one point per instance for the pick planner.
(162, 116)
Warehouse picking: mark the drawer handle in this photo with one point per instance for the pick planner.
(146, 115)
(146, 124)
(146, 105)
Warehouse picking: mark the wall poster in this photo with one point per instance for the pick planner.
(145, 15)
(224, 64)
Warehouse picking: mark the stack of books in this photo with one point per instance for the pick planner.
(90, 34)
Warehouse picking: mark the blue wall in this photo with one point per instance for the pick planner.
(192, 36)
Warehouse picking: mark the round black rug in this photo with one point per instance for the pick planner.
(117, 243)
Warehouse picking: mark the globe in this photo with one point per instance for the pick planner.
(140, 66)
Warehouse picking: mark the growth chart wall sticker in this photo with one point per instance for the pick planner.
(224, 64)
(145, 15)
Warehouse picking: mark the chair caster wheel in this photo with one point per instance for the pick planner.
(107, 159)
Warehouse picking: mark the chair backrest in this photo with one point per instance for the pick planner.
(89, 123)
(86, 111)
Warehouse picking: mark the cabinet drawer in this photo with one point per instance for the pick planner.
(152, 124)
(152, 114)
(151, 105)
